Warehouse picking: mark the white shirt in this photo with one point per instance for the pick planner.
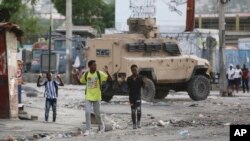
(237, 73)
(230, 74)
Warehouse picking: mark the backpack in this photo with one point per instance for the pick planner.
(56, 87)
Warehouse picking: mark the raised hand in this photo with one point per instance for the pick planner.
(40, 76)
(75, 71)
(106, 69)
(58, 76)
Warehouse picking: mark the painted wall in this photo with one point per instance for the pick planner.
(4, 100)
(11, 42)
(8, 81)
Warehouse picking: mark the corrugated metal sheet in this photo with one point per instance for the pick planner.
(12, 28)
(232, 57)
(244, 56)
(237, 57)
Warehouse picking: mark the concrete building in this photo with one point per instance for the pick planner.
(237, 25)
(83, 31)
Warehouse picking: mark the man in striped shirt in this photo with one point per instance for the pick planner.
(51, 94)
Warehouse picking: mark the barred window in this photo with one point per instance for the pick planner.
(102, 52)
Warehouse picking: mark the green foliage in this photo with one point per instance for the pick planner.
(89, 12)
(11, 5)
(8, 8)
(25, 19)
(109, 15)
(23, 16)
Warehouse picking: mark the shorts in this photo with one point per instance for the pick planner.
(135, 103)
(237, 81)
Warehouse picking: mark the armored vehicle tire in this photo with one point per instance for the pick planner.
(198, 87)
(161, 93)
(148, 92)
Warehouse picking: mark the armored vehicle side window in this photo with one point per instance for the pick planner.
(172, 48)
(152, 47)
(135, 47)
(102, 52)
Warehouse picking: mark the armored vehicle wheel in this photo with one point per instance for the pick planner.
(148, 92)
(198, 88)
(161, 93)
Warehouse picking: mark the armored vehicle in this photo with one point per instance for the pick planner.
(159, 61)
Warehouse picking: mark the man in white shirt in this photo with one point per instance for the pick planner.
(237, 77)
(230, 77)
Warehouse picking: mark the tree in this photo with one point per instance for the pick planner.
(96, 13)
(8, 8)
(11, 7)
(17, 11)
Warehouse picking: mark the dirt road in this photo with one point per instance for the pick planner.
(175, 118)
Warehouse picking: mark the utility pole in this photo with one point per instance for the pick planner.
(50, 30)
(211, 46)
(68, 40)
(223, 86)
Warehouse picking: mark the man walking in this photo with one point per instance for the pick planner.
(230, 77)
(245, 78)
(237, 77)
(135, 83)
(51, 94)
(93, 80)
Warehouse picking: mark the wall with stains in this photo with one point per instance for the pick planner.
(8, 81)
(11, 42)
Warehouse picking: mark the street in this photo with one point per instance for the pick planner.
(175, 118)
(194, 51)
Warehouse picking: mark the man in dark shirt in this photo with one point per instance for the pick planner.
(135, 83)
(245, 77)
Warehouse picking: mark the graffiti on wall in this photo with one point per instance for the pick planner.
(3, 61)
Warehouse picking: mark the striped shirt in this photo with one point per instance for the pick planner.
(50, 89)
